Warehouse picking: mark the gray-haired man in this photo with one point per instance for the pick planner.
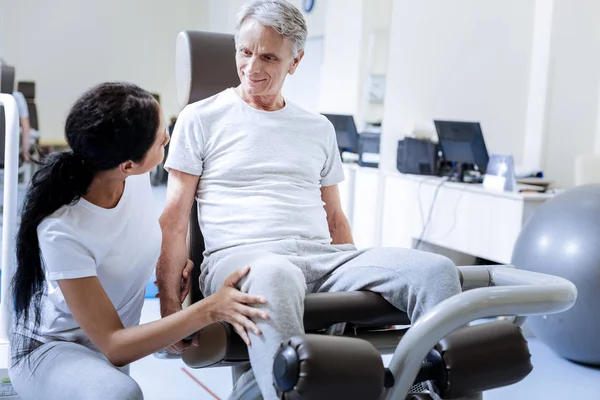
(264, 173)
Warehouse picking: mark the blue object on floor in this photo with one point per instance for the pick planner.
(151, 289)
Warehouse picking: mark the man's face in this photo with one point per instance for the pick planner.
(263, 59)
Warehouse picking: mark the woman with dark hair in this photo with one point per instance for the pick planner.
(87, 244)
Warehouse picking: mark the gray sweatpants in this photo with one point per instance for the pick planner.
(284, 271)
(66, 370)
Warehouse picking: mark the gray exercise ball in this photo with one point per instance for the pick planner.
(562, 238)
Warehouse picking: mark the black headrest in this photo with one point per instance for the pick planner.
(204, 65)
(27, 89)
(7, 78)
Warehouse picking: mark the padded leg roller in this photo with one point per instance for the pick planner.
(483, 357)
(319, 367)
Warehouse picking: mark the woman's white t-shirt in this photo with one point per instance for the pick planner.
(120, 246)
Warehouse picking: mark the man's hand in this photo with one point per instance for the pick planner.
(186, 281)
(26, 132)
(25, 154)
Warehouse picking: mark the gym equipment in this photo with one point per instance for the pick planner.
(346, 333)
(562, 239)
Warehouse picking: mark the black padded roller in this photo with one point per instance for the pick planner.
(319, 367)
(483, 357)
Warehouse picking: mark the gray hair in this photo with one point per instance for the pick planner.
(280, 15)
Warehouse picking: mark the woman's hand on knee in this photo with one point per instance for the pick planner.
(233, 306)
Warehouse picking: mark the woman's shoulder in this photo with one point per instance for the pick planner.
(58, 223)
(79, 217)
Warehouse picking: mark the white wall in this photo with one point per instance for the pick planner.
(66, 46)
(539, 80)
(340, 90)
(374, 57)
(573, 94)
(460, 59)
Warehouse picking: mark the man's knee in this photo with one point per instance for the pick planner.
(439, 277)
(426, 267)
(272, 273)
(266, 271)
(440, 266)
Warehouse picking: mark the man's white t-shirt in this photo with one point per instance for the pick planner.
(260, 171)
(120, 246)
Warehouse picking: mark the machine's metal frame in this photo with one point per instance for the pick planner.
(511, 292)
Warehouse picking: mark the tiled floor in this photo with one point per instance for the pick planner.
(553, 378)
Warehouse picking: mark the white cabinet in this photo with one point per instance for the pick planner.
(392, 209)
(461, 217)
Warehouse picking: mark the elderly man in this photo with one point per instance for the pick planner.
(264, 173)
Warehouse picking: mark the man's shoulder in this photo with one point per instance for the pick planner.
(208, 106)
(308, 115)
(21, 104)
(18, 95)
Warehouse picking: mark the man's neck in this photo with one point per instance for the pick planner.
(264, 103)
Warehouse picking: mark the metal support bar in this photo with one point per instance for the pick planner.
(9, 212)
(336, 329)
(517, 292)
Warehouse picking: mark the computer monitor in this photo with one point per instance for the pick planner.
(346, 133)
(462, 142)
(7, 78)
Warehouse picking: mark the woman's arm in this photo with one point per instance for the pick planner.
(96, 315)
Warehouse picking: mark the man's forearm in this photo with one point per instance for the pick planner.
(168, 278)
(25, 134)
(174, 223)
(169, 269)
(339, 229)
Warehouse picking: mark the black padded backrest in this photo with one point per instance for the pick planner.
(205, 66)
(27, 88)
(196, 250)
(7, 79)
(33, 116)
